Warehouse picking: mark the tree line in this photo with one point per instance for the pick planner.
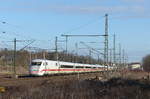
(23, 58)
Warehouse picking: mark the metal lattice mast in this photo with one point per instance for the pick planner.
(56, 48)
(114, 49)
(110, 57)
(14, 67)
(123, 58)
(76, 45)
(120, 54)
(106, 40)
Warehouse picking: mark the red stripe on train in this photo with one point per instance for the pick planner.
(71, 69)
(34, 71)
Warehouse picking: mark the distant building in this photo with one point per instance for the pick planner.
(135, 66)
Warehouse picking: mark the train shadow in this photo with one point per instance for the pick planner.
(27, 76)
(46, 75)
(21, 76)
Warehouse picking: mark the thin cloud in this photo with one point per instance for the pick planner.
(134, 0)
(78, 9)
(99, 9)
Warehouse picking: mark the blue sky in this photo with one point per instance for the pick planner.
(42, 20)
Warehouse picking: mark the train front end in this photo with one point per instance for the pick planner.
(35, 68)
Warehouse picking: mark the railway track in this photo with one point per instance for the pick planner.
(7, 80)
(62, 74)
(26, 80)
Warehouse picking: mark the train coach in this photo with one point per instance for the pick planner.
(40, 67)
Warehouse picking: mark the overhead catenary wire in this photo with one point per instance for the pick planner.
(19, 34)
(71, 30)
(84, 25)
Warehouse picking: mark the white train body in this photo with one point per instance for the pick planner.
(41, 67)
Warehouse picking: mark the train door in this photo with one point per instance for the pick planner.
(45, 66)
(43, 69)
(57, 67)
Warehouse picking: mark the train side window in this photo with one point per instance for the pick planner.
(79, 67)
(66, 66)
(36, 63)
(87, 67)
(56, 64)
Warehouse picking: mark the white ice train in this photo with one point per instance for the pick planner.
(41, 67)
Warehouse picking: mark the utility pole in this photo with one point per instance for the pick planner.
(30, 56)
(90, 54)
(98, 61)
(106, 41)
(44, 54)
(14, 54)
(56, 48)
(127, 60)
(110, 57)
(123, 58)
(66, 44)
(120, 59)
(66, 56)
(114, 49)
(14, 69)
(76, 45)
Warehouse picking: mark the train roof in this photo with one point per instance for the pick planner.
(40, 60)
(68, 63)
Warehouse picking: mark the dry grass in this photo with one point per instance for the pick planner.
(115, 88)
(9, 70)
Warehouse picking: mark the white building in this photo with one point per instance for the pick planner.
(135, 65)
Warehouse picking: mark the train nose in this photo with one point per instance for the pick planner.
(34, 70)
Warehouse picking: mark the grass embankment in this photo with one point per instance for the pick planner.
(114, 88)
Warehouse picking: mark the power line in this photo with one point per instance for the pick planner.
(20, 34)
(84, 25)
(91, 48)
(64, 35)
(27, 45)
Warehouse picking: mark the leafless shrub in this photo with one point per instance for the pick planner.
(115, 88)
(146, 65)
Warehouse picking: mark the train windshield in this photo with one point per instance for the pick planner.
(36, 63)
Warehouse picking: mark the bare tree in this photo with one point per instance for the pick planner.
(146, 64)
